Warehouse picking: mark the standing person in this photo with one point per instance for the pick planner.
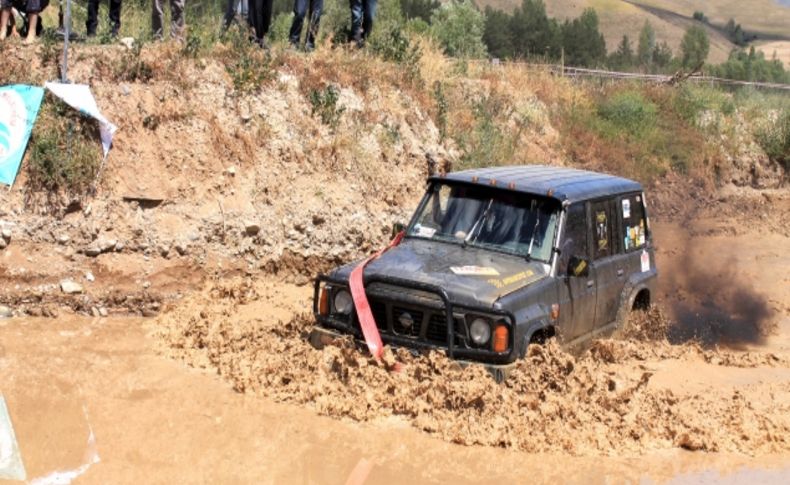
(32, 9)
(259, 17)
(300, 9)
(176, 19)
(233, 7)
(362, 13)
(93, 13)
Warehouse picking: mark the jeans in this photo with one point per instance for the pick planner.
(176, 18)
(300, 9)
(233, 7)
(362, 13)
(93, 14)
(260, 17)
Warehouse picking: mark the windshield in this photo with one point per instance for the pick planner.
(516, 223)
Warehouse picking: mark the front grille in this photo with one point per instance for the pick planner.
(379, 310)
(412, 330)
(437, 328)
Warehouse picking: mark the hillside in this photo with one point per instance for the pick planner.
(173, 290)
(671, 18)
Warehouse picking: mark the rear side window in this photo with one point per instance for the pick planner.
(602, 226)
(634, 226)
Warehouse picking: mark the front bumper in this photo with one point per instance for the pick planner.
(321, 337)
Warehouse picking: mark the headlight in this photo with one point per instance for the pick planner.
(343, 302)
(480, 331)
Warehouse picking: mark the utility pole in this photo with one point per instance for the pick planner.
(64, 67)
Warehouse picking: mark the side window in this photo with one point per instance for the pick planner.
(574, 237)
(602, 228)
(634, 226)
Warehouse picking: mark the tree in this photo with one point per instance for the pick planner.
(496, 35)
(458, 26)
(418, 9)
(694, 46)
(662, 55)
(533, 32)
(647, 43)
(623, 57)
(584, 44)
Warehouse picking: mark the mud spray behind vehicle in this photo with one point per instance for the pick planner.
(495, 259)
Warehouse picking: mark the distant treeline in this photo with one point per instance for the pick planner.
(528, 33)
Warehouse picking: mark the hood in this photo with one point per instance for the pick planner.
(469, 275)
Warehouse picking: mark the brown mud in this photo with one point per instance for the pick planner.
(618, 397)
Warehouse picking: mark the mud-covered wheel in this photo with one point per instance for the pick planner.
(638, 301)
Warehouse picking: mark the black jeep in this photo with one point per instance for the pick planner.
(495, 259)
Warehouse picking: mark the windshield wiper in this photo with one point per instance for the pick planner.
(478, 222)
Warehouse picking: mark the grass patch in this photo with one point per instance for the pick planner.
(324, 105)
(775, 139)
(64, 154)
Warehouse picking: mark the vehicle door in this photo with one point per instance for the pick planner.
(577, 291)
(608, 261)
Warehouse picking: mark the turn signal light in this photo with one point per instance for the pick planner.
(500, 339)
(555, 311)
(323, 302)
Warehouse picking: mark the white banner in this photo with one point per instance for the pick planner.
(79, 97)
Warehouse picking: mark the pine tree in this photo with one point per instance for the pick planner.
(496, 35)
(647, 43)
(623, 57)
(694, 47)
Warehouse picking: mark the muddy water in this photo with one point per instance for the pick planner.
(157, 421)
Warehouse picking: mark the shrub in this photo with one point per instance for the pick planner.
(324, 104)
(775, 139)
(393, 44)
(459, 27)
(690, 101)
(131, 67)
(248, 65)
(64, 151)
(628, 111)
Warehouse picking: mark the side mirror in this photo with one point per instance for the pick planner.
(578, 267)
(398, 227)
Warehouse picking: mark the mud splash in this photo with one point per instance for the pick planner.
(604, 402)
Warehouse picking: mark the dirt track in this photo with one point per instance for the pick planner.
(156, 420)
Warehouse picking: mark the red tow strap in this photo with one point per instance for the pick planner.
(365, 316)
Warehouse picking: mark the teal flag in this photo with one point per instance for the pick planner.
(19, 106)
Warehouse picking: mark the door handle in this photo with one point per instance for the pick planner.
(619, 272)
(590, 283)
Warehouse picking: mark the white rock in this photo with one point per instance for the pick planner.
(70, 287)
(5, 312)
(62, 239)
(6, 233)
(89, 276)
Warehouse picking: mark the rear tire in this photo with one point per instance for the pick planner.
(639, 301)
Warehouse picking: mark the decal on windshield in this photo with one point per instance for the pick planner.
(423, 231)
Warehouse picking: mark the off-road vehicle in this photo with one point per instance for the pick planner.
(495, 259)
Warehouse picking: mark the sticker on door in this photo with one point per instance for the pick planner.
(645, 259)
